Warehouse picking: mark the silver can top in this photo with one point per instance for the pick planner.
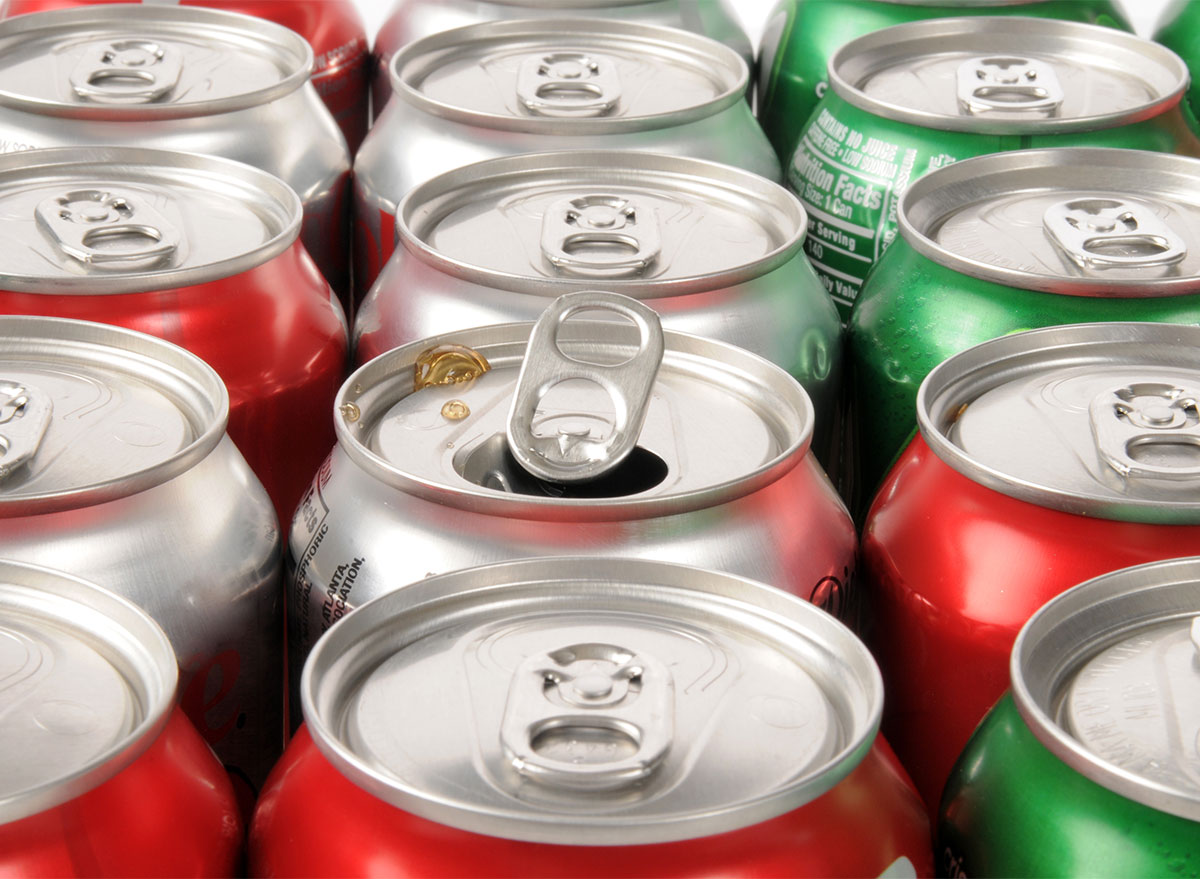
(90, 412)
(125, 62)
(636, 223)
(1106, 677)
(1007, 75)
(101, 220)
(1093, 419)
(578, 76)
(87, 681)
(1075, 221)
(597, 701)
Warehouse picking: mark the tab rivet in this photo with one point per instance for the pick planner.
(594, 686)
(1159, 415)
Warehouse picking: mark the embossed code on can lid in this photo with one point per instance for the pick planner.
(1106, 676)
(1075, 221)
(1095, 419)
(86, 681)
(1007, 75)
(592, 701)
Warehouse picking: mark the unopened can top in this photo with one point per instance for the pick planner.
(1093, 419)
(586, 701)
(90, 412)
(87, 681)
(1076, 221)
(1106, 677)
(1007, 75)
(640, 224)
(134, 62)
(573, 76)
(104, 220)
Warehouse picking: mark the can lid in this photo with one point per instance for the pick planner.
(1074, 221)
(1092, 419)
(1007, 75)
(102, 220)
(595, 701)
(90, 412)
(574, 76)
(126, 62)
(87, 681)
(640, 224)
(1106, 677)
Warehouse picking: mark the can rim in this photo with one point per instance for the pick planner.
(288, 47)
(892, 39)
(187, 380)
(143, 650)
(1073, 627)
(342, 654)
(426, 205)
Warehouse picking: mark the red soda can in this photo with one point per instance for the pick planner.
(100, 772)
(1044, 458)
(202, 252)
(590, 717)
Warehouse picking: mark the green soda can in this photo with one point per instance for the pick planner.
(802, 35)
(916, 97)
(1090, 766)
(1009, 242)
(1179, 30)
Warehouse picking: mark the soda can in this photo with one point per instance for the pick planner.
(590, 717)
(1044, 458)
(117, 468)
(465, 449)
(412, 20)
(334, 29)
(100, 772)
(184, 78)
(1010, 242)
(1099, 730)
(915, 97)
(716, 251)
(200, 251)
(802, 35)
(1179, 30)
(519, 87)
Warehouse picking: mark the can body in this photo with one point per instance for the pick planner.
(1180, 32)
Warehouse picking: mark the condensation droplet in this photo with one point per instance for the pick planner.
(448, 365)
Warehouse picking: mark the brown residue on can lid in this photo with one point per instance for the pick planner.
(448, 365)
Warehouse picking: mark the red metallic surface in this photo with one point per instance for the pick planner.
(951, 571)
(170, 813)
(311, 821)
(272, 333)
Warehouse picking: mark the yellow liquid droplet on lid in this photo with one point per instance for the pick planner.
(455, 410)
(448, 365)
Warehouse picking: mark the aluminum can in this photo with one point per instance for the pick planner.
(802, 35)
(117, 468)
(1098, 730)
(609, 717)
(436, 479)
(519, 87)
(1179, 30)
(716, 251)
(1044, 458)
(1043, 238)
(102, 774)
(915, 97)
(200, 251)
(334, 29)
(204, 80)
(413, 20)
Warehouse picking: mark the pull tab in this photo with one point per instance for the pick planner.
(589, 717)
(107, 230)
(572, 454)
(24, 416)
(600, 236)
(1107, 233)
(991, 84)
(135, 70)
(1130, 423)
(569, 84)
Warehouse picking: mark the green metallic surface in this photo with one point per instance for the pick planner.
(1011, 808)
(802, 35)
(1180, 32)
